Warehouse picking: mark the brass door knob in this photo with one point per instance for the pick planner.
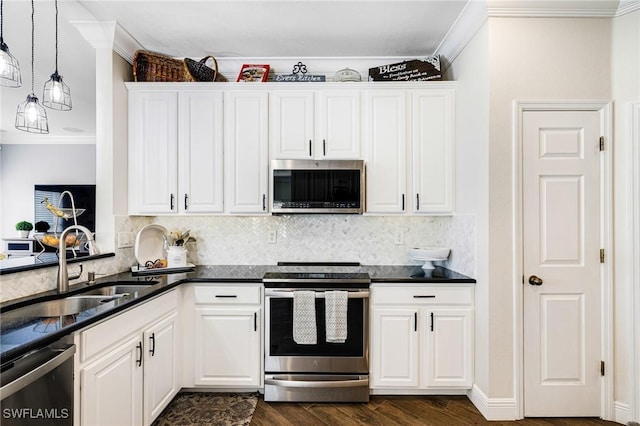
(533, 280)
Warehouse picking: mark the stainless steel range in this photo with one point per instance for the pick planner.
(317, 367)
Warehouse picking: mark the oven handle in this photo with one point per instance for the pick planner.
(319, 294)
(317, 384)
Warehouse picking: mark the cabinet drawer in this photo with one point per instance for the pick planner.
(226, 295)
(111, 331)
(422, 294)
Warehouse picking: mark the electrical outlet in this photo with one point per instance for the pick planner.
(272, 237)
(125, 239)
(398, 237)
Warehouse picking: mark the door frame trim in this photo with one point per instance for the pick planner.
(606, 236)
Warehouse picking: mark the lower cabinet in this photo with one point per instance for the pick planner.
(225, 336)
(421, 337)
(128, 367)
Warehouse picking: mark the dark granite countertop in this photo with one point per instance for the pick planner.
(25, 326)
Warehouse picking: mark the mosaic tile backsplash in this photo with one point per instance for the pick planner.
(230, 240)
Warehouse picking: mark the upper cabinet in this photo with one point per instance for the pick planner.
(175, 152)
(204, 148)
(432, 150)
(323, 124)
(246, 151)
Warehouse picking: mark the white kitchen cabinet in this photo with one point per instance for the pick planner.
(395, 345)
(322, 124)
(432, 150)
(161, 355)
(448, 348)
(385, 133)
(111, 388)
(422, 337)
(175, 151)
(246, 139)
(129, 365)
(153, 152)
(227, 347)
(224, 337)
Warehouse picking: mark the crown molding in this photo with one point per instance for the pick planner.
(124, 44)
(34, 139)
(472, 17)
(552, 8)
(628, 7)
(110, 35)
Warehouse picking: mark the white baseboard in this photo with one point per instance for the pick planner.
(493, 408)
(621, 413)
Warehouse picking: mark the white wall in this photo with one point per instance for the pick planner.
(625, 72)
(471, 70)
(529, 59)
(23, 166)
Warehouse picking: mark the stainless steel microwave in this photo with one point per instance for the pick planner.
(317, 186)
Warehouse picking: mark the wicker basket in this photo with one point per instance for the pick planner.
(152, 66)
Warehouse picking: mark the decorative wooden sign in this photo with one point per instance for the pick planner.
(299, 73)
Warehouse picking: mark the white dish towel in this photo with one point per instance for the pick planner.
(304, 318)
(336, 303)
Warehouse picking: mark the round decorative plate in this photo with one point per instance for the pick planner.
(150, 244)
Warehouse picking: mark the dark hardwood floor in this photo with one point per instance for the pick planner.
(393, 410)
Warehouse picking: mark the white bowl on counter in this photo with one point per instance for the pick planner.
(428, 255)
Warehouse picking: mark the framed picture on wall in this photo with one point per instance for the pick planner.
(253, 73)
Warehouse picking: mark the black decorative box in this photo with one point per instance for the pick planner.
(424, 69)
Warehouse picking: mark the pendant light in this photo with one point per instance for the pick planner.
(56, 94)
(31, 117)
(9, 67)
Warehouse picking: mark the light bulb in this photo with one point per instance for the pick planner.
(4, 66)
(31, 112)
(57, 94)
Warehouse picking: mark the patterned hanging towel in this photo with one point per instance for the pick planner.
(336, 303)
(304, 318)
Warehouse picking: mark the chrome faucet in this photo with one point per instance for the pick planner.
(63, 274)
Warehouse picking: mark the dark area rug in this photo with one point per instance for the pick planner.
(209, 409)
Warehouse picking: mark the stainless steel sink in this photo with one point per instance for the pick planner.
(118, 290)
(61, 307)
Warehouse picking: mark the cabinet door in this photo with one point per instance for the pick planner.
(153, 152)
(394, 348)
(160, 366)
(338, 124)
(227, 347)
(246, 151)
(432, 144)
(385, 121)
(448, 351)
(291, 120)
(200, 152)
(111, 388)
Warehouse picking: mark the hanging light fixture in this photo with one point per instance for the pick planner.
(9, 67)
(56, 94)
(31, 117)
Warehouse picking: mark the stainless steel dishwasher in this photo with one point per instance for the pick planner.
(37, 389)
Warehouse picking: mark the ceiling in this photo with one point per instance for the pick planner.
(227, 29)
(224, 28)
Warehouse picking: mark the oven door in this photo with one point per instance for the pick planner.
(283, 355)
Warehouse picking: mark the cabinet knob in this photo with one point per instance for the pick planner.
(533, 280)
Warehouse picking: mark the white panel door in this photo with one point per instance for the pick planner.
(200, 152)
(448, 353)
(227, 347)
(562, 315)
(111, 388)
(160, 366)
(153, 152)
(385, 136)
(432, 150)
(291, 121)
(394, 348)
(246, 152)
(338, 124)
